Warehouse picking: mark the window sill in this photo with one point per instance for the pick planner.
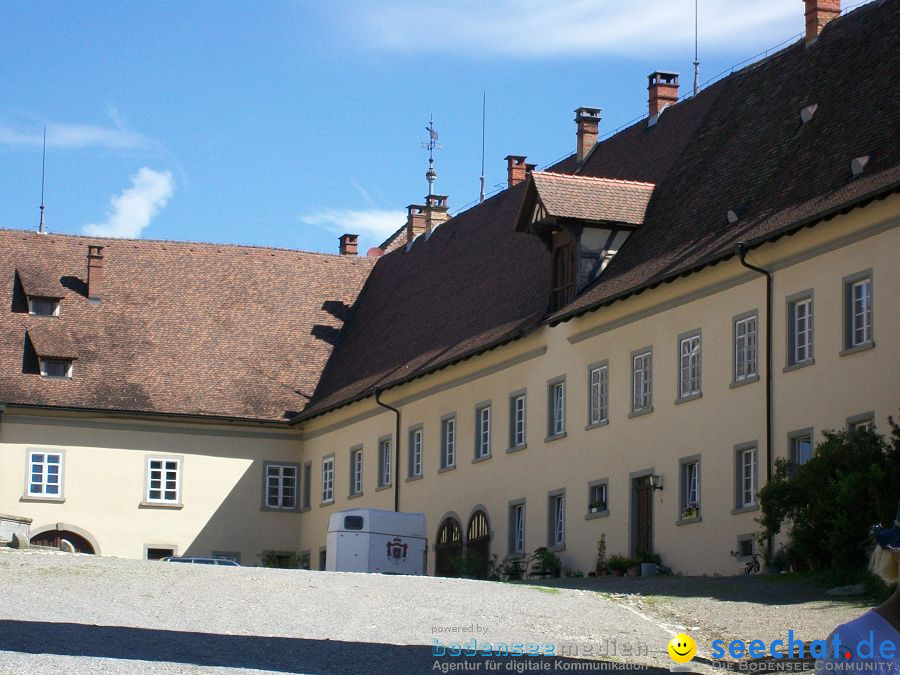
(160, 505)
(384, 487)
(445, 469)
(41, 498)
(596, 425)
(741, 383)
(516, 448)
(409, 479)
(591, 515)
(639, 413)
(483, 458)
(330, 502)
(745, 509)
(557, 548)
(689, 397)
(688, 521)
(55, 377)
(354, 495)
(865, 346)
(555, 437)
(798, 366)
(276, 509)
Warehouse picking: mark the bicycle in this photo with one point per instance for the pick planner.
(752, 566)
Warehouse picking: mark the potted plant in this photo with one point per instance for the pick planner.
(598, 506)
(617, 564)
(600, 562)
(691, 510)
(545, 563)
(513, 569)
(633, 567)
(649, 564)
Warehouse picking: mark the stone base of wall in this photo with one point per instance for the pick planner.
(10, 525)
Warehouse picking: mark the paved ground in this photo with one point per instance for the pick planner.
(62, 613)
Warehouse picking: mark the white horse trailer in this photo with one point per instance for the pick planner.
(372, 540)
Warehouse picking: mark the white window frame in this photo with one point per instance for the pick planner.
(747, 476)
(858, 311)
(327, 486)
(356, 471)
(557, 408)
(385, 448)
(691, 483)
(39, 473)
(518, 413)
(801, 326)
(483, 431)
(795, 438)
(67, 363)
(416, 443)
(598, 492)
(641, 381)
(54, 306)
(448, 442)
(160, 477)
(598, 394)
(517, 528)
(746, 347)
(557, 520)
(689, 365)
(281, 481)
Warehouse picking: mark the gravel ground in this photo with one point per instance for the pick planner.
(86, 614)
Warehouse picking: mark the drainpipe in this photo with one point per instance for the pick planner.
(377, 392)
(742, 250)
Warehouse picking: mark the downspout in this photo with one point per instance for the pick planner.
(742, 253)
(377, 392)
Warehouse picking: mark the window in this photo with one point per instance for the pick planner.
(556, 419)
(158, 553)
(642, 381)
(281, 486)
(801, 446)
(557, 519)
(384, 462)
(356, 471)
(597, 501)
(800, 331)
(745, 547)
(745, 349)
(43, 307)
(746, 477)
(864, 422)
(448, 443)
(415, 452)
(858, 311)
(163, 480)
(690, 488)
(328, 479)
(45, 474)
(56, 368)
(563, 277)
(598, 396)
(483, 431)
(517, 421)
(517, 528)
(689, 366)
(307, 484)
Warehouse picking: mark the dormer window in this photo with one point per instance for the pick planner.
(43, 306)
(54, 350)
(59, 368)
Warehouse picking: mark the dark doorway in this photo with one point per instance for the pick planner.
(478, 543)
(643, 516)
(54, 538)
(159, 553)
(448, 547)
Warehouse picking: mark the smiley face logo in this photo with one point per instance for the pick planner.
(682, 648)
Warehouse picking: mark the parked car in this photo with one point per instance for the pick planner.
(200, 561)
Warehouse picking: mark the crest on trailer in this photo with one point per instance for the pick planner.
(396, 550)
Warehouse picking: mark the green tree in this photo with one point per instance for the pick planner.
(829, 505)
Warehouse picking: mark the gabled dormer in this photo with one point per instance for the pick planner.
(42, 290)
(583, 222)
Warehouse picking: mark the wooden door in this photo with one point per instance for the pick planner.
(643, 516)
(447, 547)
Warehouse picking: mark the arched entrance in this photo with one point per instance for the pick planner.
(55, 537)
(447, 547)
(478, 543)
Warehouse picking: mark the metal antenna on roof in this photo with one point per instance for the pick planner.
(431, 146)
(43, 168)
(696, 58)
(483, 109)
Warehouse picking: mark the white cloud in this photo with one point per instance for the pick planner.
(369, 223)
(536, 28)
(133, 210)
(73, 137)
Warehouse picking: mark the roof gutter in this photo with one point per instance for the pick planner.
(396, 476)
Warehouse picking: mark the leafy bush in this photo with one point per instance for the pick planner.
(830, 504)
(617, 563)
(545, 563)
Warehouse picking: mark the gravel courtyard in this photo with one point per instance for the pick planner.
(85, 614)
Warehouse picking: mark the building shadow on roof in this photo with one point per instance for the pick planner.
(75, 285)
(278, 654)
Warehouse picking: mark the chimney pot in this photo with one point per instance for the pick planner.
(349, 243)
(818, 13)
(516, 169)
(663, 91)
(435, 212)
(588, 122)
(95, 273)
(415, 221)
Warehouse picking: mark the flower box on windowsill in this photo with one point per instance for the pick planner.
(690, 512)
(598, 508)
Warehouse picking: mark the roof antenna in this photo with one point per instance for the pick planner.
(43, 167)
(483, 109)
(696, 58)
(431, 146)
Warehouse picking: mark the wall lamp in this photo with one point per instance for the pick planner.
(656, 482)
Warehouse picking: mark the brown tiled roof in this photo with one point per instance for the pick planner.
(38, 281)
(51, 340)
(193, 329)
(739, 143)
(593, 199)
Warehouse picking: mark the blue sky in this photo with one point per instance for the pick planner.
(287, 122)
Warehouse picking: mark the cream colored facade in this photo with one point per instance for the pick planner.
(221, 481)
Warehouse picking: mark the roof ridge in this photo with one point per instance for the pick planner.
(596, 178)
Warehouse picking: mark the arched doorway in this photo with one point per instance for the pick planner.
(478, 542)
(447, 547)
(55, 538)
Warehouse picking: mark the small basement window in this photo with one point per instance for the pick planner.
(56, 368)
(43, 307)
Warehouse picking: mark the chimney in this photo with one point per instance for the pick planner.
(415, 221)
(516, 169)
(588, 122)
(95, 273)
(818, 13)
(348, 244)
(435, 212)
(663, 89)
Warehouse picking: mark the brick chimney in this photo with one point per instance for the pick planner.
(415, 221)
(435, 212)
(663, 90)
(348, 244)
(516, 169)
(588, 123)
(818, 13)
(95, 273)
